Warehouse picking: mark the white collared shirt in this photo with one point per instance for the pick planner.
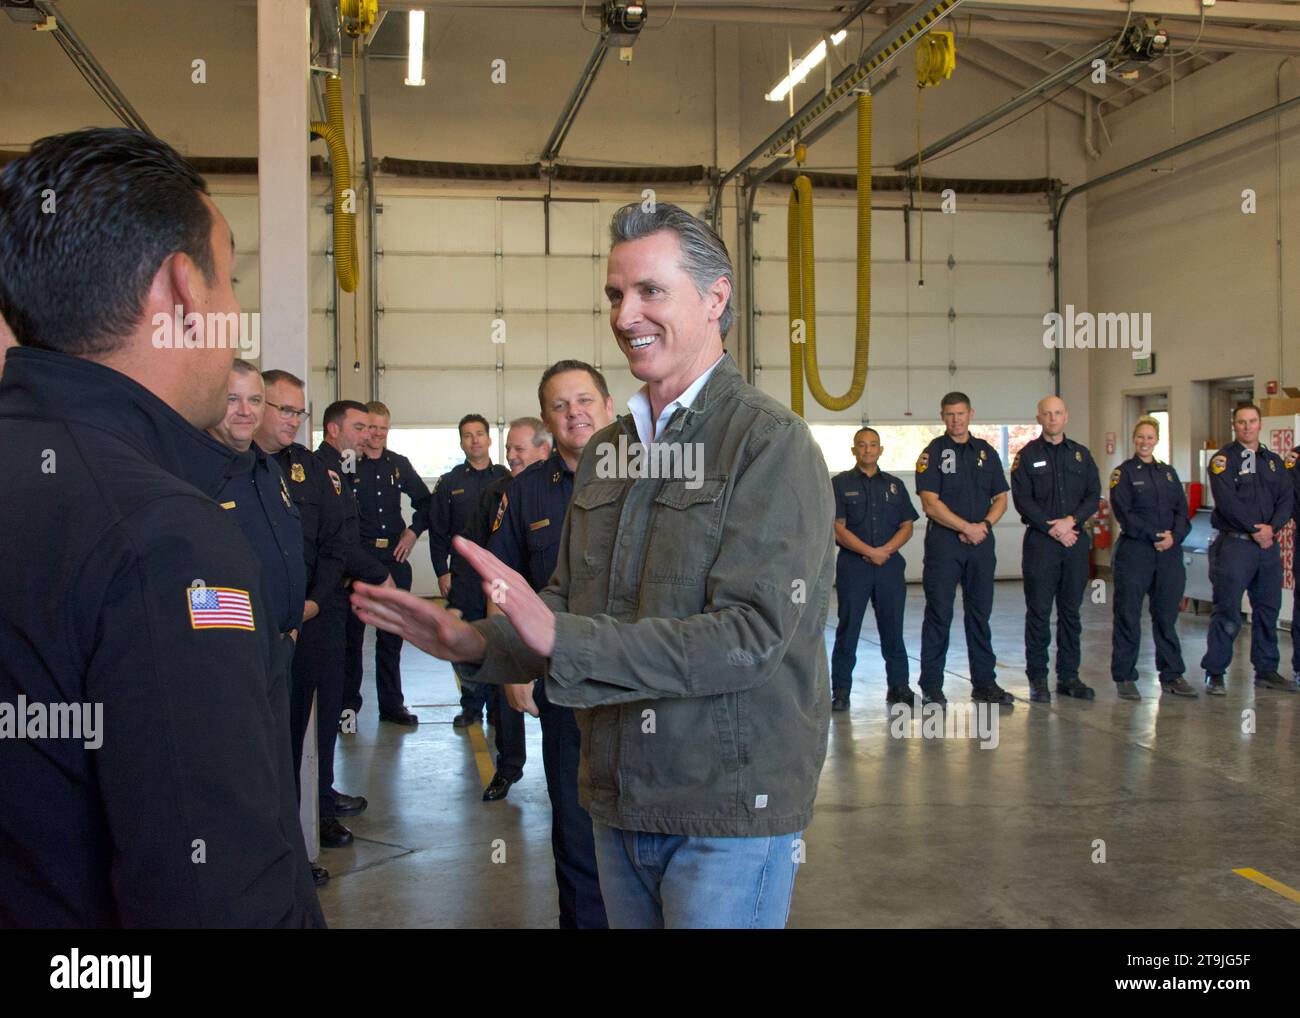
(639, 405)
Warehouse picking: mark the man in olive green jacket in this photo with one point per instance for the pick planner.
(685, 619)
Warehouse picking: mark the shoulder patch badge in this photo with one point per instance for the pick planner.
(501, 513)
(1015, 462)
(1115, 475)
(1272, 464)
(338, 481)
(219, 608)
(922, 462)
(1291, 457)
(1169, 474)
(1078, 455)
(297, 474)
(1219, 464)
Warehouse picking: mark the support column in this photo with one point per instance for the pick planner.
(283, 109)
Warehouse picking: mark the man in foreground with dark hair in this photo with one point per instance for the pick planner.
(171, 803)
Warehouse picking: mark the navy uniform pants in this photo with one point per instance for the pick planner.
(950, 564)
(1142, 572)
(572, 841)
(1053, 574)
(1295, 606)
(388, 648)
(857, 583)
(1240, 566)
(318, 669)
(508, 724)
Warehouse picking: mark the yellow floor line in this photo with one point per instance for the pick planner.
(482, 758)
(1270, 883)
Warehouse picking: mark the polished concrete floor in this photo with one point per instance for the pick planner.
(909, 832)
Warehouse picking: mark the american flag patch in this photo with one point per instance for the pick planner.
(220, 608)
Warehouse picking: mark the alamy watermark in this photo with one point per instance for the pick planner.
(81, 721)
(956, 721)
(668, 460)
(1083, 330)
(214, 331)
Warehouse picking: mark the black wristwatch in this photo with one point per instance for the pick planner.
(987, 525)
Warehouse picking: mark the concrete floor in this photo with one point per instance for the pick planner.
(908, 832)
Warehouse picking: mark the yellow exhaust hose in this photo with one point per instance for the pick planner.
(803, 284)
(346, 266)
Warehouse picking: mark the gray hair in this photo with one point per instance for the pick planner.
(540, 435)
(704, 255)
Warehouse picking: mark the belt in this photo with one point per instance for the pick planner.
(1237, 534)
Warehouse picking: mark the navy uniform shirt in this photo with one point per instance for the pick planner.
(968, 489)
(324, 537)
(1050, 481)
(186, 813)
(1249, 490)
(490, 511)
(455, 501)
(358, 564)
(872, 508)
(1148, 499)
(258, 501)
(528, 537)
(378, 485)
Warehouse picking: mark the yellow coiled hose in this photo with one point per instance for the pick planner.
(803, 284)
(346, 266)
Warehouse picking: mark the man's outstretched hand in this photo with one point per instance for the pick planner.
(434, 630)
(509, 591)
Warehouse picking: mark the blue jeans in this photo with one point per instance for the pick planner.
(669, 881)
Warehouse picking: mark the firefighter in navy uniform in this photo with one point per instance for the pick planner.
(455, 502)
(527, 442)
(1055, 488)
(346, 424)
(1151, 508)
(318, 660)
(873, 520)
(1253, 500)
(575, 404)
(382, 476)
(1293, 468)
(963, 494)
(140, 600)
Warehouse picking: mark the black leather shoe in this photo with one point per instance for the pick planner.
(1039, 693)
(401, 716)
(320, 876)
(903, 694)
(498, 789)
(1129, 691)
(839, 703)
(1214, 686)
(992, 693)
(464, 720)
(349, 805)
(333, 834)
(933, 696)
(1075, 688)
(1272, 680)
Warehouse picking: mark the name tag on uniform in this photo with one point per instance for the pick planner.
(458, 491)
(540, 524)
(1041, 463)
(227, 505)
(851, 494)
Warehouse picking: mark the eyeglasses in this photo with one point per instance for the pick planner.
(288, 411)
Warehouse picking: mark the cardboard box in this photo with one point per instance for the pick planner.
(1278, 406)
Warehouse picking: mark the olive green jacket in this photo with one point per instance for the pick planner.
(690, 624)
